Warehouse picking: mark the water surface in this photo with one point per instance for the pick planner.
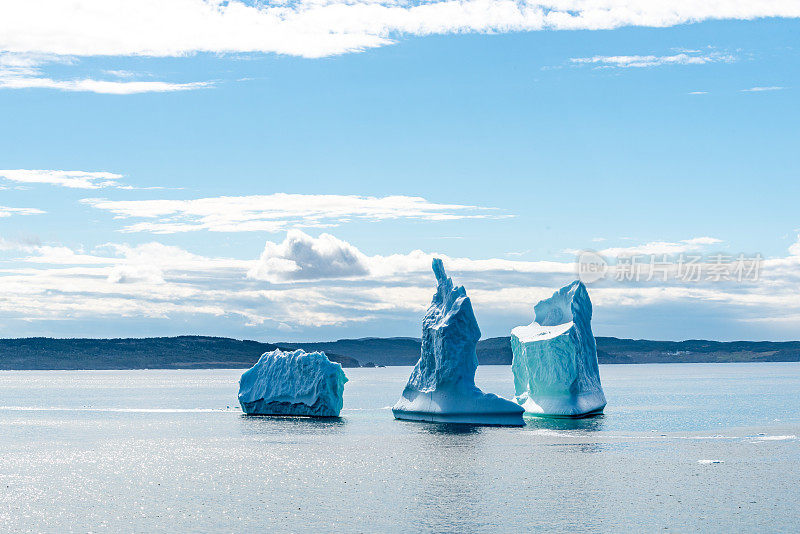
(680, 448)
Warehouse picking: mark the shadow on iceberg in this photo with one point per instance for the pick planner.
(442, 385)
(555, 358)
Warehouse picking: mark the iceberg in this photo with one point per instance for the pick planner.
(293, 383)
(555, 358)
(442, 385)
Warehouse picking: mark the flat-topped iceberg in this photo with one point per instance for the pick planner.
(555, 358)
(442, 385)
(293, 383)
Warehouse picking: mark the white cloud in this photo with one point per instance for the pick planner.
(98, 86)
(127, 274)
(705, 240)
(302, 257)
(762, 89)
(315, 28)
(27, 245)
(61, 255)
(6, 211)
(684, 58)
(277, 212)
(69, 179)
(698, 93)
(120, 73)
(24, 71)
(794, 249)
(26, 64)
(72, 179)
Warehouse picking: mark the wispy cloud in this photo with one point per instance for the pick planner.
(313, 28)
(97, 86)
(762, 89)
(655, 247)
(277, 212)
(25, 71)
(120, 73)
(6, 211)
(71, 179)
(662, 247)
(637, 61)
(698, 92)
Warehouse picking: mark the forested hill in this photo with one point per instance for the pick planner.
(200, 352)
(182, 352)
(614, 350)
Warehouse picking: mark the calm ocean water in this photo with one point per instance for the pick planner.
(681, 448)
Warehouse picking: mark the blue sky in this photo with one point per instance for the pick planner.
(145, 172)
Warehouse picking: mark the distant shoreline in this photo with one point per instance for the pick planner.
(204, 352)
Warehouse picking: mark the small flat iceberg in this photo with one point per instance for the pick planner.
(442, 385)
(555, 358)
(293, 383)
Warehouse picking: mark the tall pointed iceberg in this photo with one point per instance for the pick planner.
(442, 385)
(555, 357)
